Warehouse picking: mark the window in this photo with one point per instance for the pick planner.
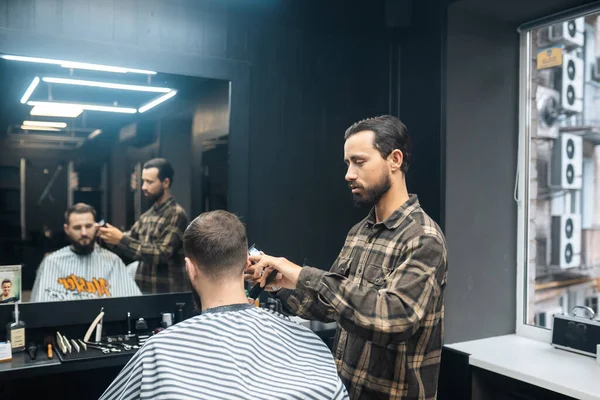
(559, 172)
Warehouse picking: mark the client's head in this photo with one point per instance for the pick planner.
(80, 227)
(216, 251)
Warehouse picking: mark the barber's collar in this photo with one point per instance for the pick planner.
(159, 207)
(396, 218)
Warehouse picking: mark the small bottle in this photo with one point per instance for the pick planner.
(15, 332)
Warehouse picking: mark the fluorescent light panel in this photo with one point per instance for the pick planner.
(38, 128)
(90, 107)
(107, 85)
(157, 101)
(78, 65)
(30, 90)
(56, 111)
(95, 133)
(46, 124)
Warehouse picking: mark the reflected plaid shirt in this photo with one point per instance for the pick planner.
(385, 290)
(155, 240)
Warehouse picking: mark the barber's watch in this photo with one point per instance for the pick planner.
(272, 288)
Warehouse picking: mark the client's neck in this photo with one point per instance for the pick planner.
(224, 293)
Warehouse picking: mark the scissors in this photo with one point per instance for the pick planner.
(104, 350)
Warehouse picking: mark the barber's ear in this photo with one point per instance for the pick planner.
(396, 157)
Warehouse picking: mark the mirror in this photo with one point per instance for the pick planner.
(76, 134)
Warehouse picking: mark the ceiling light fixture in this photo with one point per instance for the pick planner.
(56, 111)
(157, 101)
(78, 65)
(38, 128)
(46, 124)
(89, 107)
(94, 134)
(107, 85)
(30, 90)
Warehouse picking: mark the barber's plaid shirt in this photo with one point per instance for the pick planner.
(386, 291)
(155, 240)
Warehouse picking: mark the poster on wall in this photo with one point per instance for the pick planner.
(10, 284)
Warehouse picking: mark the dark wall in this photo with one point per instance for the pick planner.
(175, 138)
(481, 215)
(210, 121)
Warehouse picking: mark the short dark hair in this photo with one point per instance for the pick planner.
(390, 134)
(6, 281)
(79, 208)
(216, 241)
(165, 170)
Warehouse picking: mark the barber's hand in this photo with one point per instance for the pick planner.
(287, 276)
(110, 234)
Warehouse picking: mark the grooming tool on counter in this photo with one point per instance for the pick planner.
(99, 326)
(67, 344)
(61, 343)
(115, 344)
(141, 325)
(32, 351)
(15, 332)
(101, 346)
(180, 311)
(166, 320)
(83, 345)
(104, 350)
(50, 355)
(75, 345)
(129, 335)
(86, 338)
(127, 346)
(5, 352)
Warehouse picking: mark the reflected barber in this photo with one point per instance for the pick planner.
(155, 240)
(386, 288)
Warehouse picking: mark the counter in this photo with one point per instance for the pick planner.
(536, 363)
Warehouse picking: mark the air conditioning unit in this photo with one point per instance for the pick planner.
(569, 34)
(595, 69)
(567, 163)
(570, 82)
(566, 241)
(548, 112)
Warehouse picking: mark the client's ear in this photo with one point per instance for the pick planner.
(191, 269)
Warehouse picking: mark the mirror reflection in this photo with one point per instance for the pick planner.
(101, 168)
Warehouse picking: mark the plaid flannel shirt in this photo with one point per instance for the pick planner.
(155, 240)
(385, 290)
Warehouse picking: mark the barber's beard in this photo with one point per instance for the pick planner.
(154, 197)
(81, 248)
(369, 198)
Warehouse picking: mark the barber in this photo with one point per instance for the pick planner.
(155, 240)
(385, 289)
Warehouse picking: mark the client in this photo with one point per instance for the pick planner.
(233, 350)
(82, 270)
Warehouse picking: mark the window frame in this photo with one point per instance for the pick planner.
(521, 195)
